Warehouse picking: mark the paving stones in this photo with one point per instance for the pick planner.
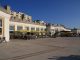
(39, 49)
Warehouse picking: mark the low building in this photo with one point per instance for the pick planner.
(76, 30)
(53, 28)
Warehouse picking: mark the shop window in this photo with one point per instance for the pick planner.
(27, 28)
(11, 28)
(32, 29)
(37, 29)
(19, 28)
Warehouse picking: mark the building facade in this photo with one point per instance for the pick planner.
(4, 24)
(76, 30)
(53, 28)
(18, 21)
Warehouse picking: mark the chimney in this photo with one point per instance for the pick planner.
(7, 7)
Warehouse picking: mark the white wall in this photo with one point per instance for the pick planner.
(26, 25)
(60, 28)
(78, 31)
(5, 18)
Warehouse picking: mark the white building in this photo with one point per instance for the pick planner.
(53, 28)
(13, 21)
(4, 24)
(75, 30)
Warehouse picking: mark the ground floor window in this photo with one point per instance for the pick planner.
(27, 28)
(0, 26)
(11, 28)
(37, 29)
(19, 28)
(41, 29)
(32, 28)
(0, 23)
(0, 31)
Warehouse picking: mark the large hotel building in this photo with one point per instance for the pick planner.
(18, 21)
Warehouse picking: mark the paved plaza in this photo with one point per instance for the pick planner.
(60, 48)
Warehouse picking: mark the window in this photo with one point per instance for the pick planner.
(19, 27)
(37, 29)
(11, 28)
(27, 28)
(32, 29)
(45, 29)
(0, 31)
(41, 29)
(12, 18)
(0, 26)
(0, 23)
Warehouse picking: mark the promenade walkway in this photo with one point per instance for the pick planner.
(41, 49)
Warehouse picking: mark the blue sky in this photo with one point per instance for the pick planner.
(65, 12)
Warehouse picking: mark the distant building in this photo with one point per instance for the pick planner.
(53, 28)
(75, 30)
(4, 24)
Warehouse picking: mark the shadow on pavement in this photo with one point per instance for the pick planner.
(71, 57)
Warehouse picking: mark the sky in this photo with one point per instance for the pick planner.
(66, 12)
